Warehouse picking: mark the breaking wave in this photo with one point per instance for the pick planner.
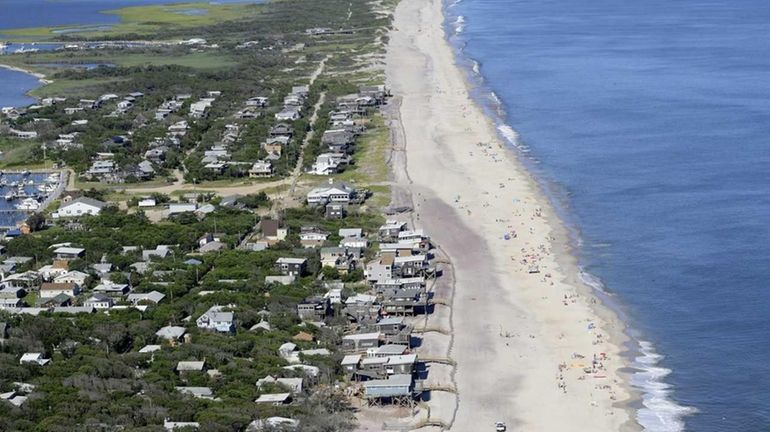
(459, 24)
(659, 413)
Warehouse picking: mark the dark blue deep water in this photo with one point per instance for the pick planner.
(652, 118)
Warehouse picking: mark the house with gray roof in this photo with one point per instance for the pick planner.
(217, 319)
(82, 206)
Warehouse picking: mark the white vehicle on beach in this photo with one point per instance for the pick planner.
(500, 427)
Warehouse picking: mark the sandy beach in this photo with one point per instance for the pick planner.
(530, 344)
(37, 75)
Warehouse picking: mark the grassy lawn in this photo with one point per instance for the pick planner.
(86, 185)
(370, 157)
(202, 60)
(49, 63)
(147, 20)
(380, 197)
(16, 152)
(72, 88)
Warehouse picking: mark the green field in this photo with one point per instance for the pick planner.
(71, 88)
(142, 20)
(16, 152)
(49, 63)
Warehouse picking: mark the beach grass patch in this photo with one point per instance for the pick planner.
(144, 20)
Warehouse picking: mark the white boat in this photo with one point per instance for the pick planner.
(28, 204)
(10, 196)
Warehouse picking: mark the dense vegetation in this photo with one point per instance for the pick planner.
(98, 379)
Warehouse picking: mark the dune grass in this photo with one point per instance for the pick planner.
(144, 20)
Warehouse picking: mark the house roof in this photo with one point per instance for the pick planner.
(392, 350)
(350, 232)
(53, 286)
(303, 336)
(212, 246)
(362, 336)
(291, 260)
(269, 227)
(73, 309)
(108, 286)
(316, 352)
(87, 201)
(32, 357)
(295, 384)
(196, 391)
(190, 365)
(215, 313)
(351, 359)
(402, 359)
(150, 348)
(10, 301)
(153, 296)
(411, 258)
(69, 251)
(391, 321)
(74, 274)
(273, 398)
(102, 267)
(171, 332)
(98, 297)
(269, 379)
(264, 325)
(374, 360)
(307, 369)
(397, 380)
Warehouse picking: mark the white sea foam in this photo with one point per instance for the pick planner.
(497, 101)
(589, 279)
(660, 413)
(459, 24)
(509, 133)
(476, 68)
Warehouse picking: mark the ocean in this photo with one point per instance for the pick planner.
(647, 123)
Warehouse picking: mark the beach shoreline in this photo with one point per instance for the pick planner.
(40, 77)
(446, 133)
